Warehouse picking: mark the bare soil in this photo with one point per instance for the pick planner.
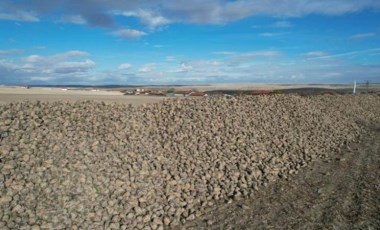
(133, 100)
(17, 94)
(342, 192)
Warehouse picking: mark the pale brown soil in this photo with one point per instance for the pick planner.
(342, 192)
(9, 95)
(133, 100)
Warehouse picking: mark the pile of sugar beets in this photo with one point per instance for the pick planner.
(91, 165)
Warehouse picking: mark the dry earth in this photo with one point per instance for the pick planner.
(18, 94)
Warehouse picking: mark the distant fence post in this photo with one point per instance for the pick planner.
(354, 87)
(367, 86)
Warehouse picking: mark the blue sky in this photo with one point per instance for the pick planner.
(189, 42)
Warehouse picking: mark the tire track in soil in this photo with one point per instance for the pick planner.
(342, 192)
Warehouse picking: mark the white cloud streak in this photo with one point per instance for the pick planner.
(124, 66)
(10, 51)
(362, 36)
(56, 58)
(147, 17)
(268, 34)
(147, 68)
(314, 54)
(161, 12)
(226, 66)
(52, 67)
(250, 55)
(74, 67)
(128, 33)
(319, 56)
(282, 24)
(19, 16)
(74, 19)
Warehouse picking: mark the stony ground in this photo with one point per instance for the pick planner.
(341, 192)
(95, 165)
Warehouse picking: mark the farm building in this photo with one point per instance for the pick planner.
(197, 94)
(181, 93)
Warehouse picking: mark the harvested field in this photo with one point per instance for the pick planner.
(13, 95)
(91, 165)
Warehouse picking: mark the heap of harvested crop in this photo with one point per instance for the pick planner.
(89, 165)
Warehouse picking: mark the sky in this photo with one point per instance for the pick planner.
(97, 42)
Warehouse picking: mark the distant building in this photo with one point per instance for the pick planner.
(156, 93)
(197, 94)
(186, 93)
(181, 93)
(139, 91)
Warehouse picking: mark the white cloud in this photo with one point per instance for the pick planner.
(41, 79)
(7, 65)
(147, 68)
(128, 33)
(186, 67)
(236, 59)
(197, 68)
(183, 68)
(57, 68)
(159, 13)
(124, 66)
(72, 53)
(62, 63)
(73, 67)
(282, 24)
(228, 66)
(170, 58)
(277, 24)
(264, 54)
(253, 54)
(20, 16)
(33, 58)
(313, 54)
(148, 17)
(256, 67)
(56, 58)
(226, 53)
(10, 51)
(362, 36)
(346, 55)
(268, 34)
(214, 11)
(75, 19)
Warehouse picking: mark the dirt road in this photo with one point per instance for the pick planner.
(342, 192)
